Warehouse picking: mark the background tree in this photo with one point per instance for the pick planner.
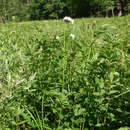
(19, 10)
(123, 7)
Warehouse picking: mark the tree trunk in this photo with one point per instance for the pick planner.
(123, 7)
(120, 7)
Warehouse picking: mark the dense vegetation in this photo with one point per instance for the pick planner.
(50, 81)
(21, 10)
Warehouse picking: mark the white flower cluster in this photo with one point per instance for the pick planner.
(57, 38)
(68, 19)
(72, 36)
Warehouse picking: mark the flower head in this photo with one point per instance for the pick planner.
(72, 36)
(57, 38)
(68, 19)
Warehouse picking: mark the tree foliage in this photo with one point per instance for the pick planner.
(50, 9)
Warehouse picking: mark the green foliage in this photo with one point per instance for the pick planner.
(49, 83)
(47, 9)
(124, 128)
(13, 10)
(22, 10)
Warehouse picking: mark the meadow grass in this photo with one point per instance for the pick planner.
(65, 84)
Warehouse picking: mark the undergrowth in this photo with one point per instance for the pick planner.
(65, 84)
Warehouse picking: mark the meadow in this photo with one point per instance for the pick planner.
(52, 81)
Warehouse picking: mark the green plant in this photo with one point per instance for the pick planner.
(65, 83)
